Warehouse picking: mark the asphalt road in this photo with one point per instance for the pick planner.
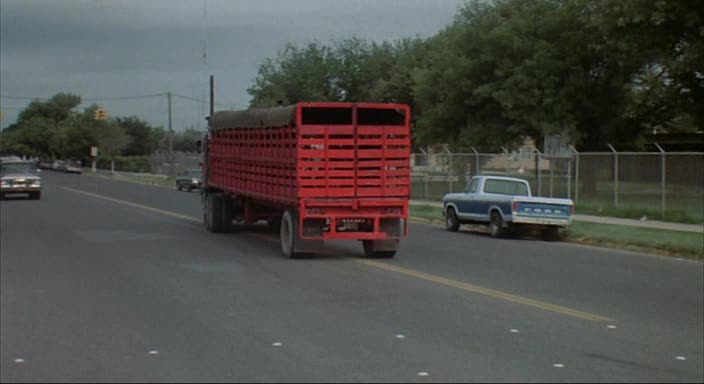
(114, 281)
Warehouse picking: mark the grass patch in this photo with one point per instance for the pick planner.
(676, 243)
(636, 212)
(427, 212)
(142, 178)
(670, 243)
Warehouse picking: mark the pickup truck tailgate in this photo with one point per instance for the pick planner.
(542, 211)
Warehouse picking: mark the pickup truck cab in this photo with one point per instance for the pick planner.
(505, 203)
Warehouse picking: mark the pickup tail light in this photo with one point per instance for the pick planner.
(572, 209)
(514, 206)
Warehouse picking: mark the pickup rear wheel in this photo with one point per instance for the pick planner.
(452, 223)
(496, 225)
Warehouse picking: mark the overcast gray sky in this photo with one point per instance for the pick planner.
(116, 48)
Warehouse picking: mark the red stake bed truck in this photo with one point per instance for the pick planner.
(315, 171)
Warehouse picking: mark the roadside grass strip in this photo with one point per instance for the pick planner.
(674, 243)
(659, 241)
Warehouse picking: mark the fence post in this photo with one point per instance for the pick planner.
(615, 175)
(552, 174)
(476, 165)
(449, 171)
(537, 169)
(425, 173)
(662, 171)
(507, 159)
(576, 174)
(569, 177)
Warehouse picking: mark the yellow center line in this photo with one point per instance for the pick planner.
(487, 291)
(135, 205)
(392, 268)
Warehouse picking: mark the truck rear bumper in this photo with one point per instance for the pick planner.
(354, 219)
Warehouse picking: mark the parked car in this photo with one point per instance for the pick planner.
(505, 204)
(59, 165)
(73, 167)
(20, 177)
(44, 164)
(189, 180)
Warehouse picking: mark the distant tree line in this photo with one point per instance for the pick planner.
(600, 71)
(55, 129)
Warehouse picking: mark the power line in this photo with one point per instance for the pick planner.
(121, 97)
(203, 101)
(22, 98)
(88, 98)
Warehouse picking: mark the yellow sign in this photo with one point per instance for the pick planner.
(100, 114)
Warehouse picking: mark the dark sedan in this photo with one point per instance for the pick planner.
(189, 180)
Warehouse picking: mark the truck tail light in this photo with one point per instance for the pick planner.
(572, 209)
(514, 206)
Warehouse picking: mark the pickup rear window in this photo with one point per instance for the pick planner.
(505, 187)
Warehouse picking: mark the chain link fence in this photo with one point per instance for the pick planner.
(652, 185)
(164, 163)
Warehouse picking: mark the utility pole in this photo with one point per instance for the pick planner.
(171, 139)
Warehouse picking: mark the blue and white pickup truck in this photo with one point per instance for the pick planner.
(505, 203)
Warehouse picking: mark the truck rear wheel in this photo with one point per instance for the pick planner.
(380, 249)
(289, 234)
(274, 224)
(226, 218)
(213, 212)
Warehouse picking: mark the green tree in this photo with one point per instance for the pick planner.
(186, 141)
(112, 139)
(56, 109)
(37, 124)
(144, 140)
(297, 74)
(666, 40)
